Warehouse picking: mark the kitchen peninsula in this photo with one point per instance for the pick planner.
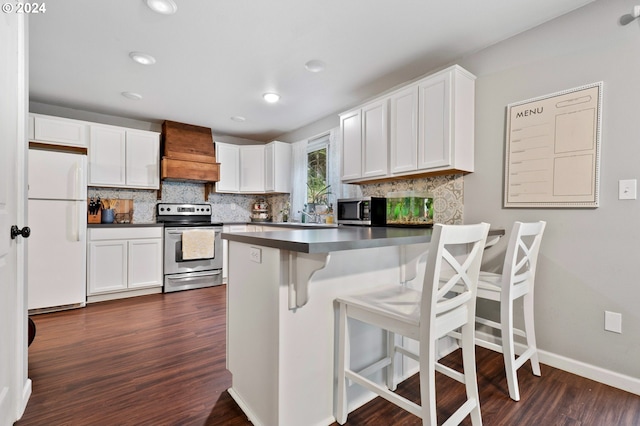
(280, 314)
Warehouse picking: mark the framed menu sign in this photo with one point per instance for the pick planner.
(553, 149)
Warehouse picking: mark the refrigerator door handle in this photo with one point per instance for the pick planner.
(79, 179)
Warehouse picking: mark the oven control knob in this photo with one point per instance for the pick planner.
(161, 209)
(168, 209)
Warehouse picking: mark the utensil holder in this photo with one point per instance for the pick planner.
(108, 215)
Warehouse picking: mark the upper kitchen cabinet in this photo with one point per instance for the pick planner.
(254, 169)
(229, 158)
(125, 158)
(403, 131)
(277, 167)
(351, 155)
(365, 141)
(446, 121)
(430, 130)
(59, 131)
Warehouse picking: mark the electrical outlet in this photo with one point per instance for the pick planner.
(627, 189)
(255, 254)
(613, 322)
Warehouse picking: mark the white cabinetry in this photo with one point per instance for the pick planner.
(55, 130)
(277, 167)
(229, 158)
(430, 130)
(375, 140)
(107, 156)
(142, 159)
(120, 157)
(124, 262)
(365, 141)
(403, 129)
(254, 169)
(351, 155)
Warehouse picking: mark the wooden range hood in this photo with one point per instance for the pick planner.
(188, 153)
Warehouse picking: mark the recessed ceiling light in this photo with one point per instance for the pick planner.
(132, 95)
(165, 7)
(142, 58)
(314, 65)
(238, 118)
(271, 97)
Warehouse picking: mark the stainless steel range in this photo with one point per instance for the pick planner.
(192, 246)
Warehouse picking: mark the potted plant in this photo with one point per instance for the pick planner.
(317, 192)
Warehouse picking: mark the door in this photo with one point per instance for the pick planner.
(107, 156)
(145, 263)
(107, 271)
(252, 168)
(229, 158)
(351, 132)
(375, 139)
(13, 131)
(434, 132)
(142, 159)
(404, 131)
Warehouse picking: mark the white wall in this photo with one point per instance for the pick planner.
(590, 257)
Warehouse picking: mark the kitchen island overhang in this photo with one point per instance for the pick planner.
(280, 314)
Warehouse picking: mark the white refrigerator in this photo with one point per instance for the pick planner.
(57, 250)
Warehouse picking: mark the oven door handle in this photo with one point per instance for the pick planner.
(193, 275)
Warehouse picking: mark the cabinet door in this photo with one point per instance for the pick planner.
(107, 156)
(434, 128)
(351, 131)
(252, 168)
(404, 131)
(60, 131)
(278, 167)
(107, 266)
(375, 140)
(269, 167)
(142, 159)
(145, 263)
(229, 158)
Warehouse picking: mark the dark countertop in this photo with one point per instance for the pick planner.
(336, 239)
(122, 225)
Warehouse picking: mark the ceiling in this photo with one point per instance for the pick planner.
(215, 59)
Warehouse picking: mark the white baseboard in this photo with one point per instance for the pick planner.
(579, 368)
(598, 374)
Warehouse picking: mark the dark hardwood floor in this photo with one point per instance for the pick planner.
(160, 360)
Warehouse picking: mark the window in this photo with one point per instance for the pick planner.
(317, 170)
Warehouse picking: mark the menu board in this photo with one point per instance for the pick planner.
(553, 149)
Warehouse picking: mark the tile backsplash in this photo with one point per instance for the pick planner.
(447, 190)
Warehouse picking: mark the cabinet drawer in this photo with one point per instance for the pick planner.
(125, 233)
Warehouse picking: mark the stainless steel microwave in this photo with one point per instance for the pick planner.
(366, 211)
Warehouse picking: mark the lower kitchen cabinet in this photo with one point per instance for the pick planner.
(123, 262)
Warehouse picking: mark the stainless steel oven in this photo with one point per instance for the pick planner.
(188, 270)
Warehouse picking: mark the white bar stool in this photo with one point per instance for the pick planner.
(423, 316)
(516, 281)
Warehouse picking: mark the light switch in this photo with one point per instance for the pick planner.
(627, 189)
